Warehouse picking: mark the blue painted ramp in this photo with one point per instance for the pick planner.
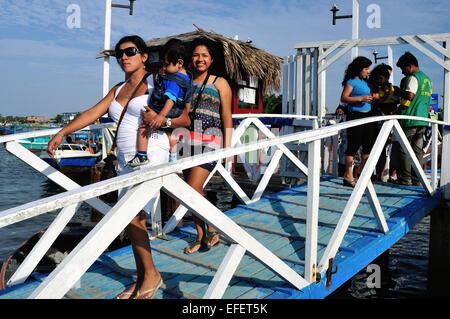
(277, 221)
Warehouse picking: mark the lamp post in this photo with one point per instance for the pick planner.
(107, 44)
(376, 58)
(355, 22)
(389, 57)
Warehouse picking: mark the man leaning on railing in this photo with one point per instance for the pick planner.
(416, 99)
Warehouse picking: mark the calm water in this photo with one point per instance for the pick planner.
(405, 270)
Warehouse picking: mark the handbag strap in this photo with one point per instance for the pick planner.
(124, 110)
(199, 96)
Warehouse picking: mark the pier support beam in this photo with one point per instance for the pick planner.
(439, 260)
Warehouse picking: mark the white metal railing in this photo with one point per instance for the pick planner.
(164, 177)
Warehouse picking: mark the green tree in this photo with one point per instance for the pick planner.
(58, 118)
(272, 104)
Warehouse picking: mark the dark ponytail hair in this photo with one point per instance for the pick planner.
(139, 43)
(355, 68)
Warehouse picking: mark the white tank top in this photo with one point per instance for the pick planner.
(128, 130)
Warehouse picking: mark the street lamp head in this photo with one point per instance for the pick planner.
(335, 10)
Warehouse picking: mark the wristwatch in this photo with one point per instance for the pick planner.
(168, 122)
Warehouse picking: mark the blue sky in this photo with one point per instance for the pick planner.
(48, 68)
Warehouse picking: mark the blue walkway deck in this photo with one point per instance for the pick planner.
(278, 222)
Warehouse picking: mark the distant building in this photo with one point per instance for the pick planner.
(37, 119)
(67, 117)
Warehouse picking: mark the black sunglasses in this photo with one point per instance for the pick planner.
(131, 51)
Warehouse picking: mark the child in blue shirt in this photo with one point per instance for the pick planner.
(172, 91)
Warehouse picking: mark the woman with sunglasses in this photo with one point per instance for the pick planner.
(132, 96)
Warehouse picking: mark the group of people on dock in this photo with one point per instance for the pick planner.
(369, 93)
(147, 108)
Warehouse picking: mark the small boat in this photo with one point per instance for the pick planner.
(64, 244)
(72, 155)
(5, 130)
(35, 144)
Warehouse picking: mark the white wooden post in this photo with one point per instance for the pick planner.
(185, 194)
(107, 46)
(63, 278)
(43, 245)
(322, 86)
(445, 167)
(299, 107)
(285, 88)
(225, 272)
(434, 156)
(307, 85)
(291, 107)
(312, 209)
(390, 54)
(355, 26)
(355, 198)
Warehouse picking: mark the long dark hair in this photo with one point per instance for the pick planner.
(218, 65)
(139, 43)
(355, 68)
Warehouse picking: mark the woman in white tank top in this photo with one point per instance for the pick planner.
(132, 56)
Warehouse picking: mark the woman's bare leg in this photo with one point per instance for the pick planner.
(349, 168)
(196, 178)
(147, 274)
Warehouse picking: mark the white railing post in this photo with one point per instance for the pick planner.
(434, 156)
(312, 210)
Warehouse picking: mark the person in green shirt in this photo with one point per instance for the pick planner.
(416, 92)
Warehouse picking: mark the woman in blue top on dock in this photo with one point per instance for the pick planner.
(357, 95)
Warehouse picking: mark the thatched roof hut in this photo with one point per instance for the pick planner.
(242, 60)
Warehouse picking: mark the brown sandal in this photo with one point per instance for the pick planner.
(194, 247)
(210, 243)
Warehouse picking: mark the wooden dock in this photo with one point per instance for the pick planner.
(278, 221)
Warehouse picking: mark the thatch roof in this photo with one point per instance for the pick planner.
(241, 58)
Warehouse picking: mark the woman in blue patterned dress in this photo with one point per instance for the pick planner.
(212, 126)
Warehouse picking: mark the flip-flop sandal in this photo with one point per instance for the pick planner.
(150, 293)
(348, 183)
(211, 235)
